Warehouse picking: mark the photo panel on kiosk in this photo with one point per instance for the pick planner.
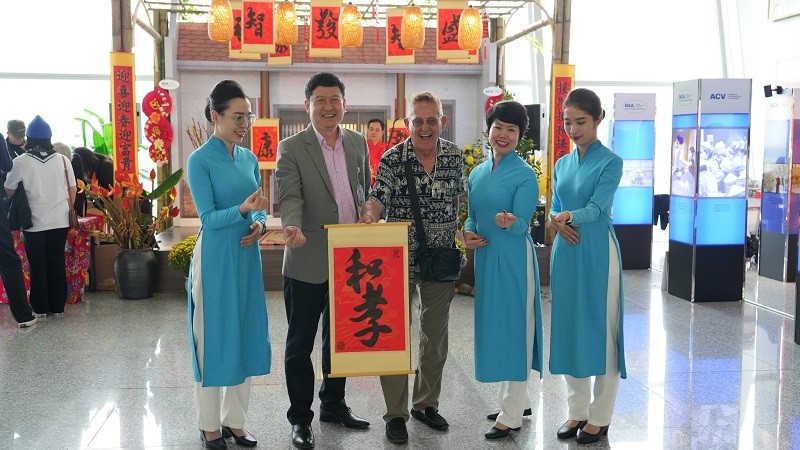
(683, 183)
(633, 139)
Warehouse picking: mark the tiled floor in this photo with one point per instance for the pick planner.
(115, 374)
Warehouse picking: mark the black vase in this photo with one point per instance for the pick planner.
(135, 273)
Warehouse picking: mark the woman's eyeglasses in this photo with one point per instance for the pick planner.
(242, 120)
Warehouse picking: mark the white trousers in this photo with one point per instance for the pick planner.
(598, 411)
(235, 399)
(513, 396)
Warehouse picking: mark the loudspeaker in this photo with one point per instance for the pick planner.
(535, 116)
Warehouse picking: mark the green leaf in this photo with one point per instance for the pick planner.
(166, 185)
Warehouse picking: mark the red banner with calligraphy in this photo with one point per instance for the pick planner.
(563, 82)
(369, 288)
(397, 132)
(369, 299)
(264, 142)
(395, 53)
(258, 32)
(447, 17)
(323, 29)
(281, 57)
(123, 116)
(235, 44)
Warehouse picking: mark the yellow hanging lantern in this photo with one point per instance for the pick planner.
(470, 29)
(350, 31)
(220, 21)
(286, 24)
(412, 30)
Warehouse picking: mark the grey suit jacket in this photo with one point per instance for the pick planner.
(307, 200)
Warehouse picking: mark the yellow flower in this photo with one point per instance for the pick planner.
(467, 147)
(478, 151)
(470, 160)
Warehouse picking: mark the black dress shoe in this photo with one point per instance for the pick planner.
(495, 433)
(248, 440)
(430, 418)
(302, 436)
(216, 444)
(493, 416)
(566, 432)
(396, 431)
(589, 438)
(343, 417)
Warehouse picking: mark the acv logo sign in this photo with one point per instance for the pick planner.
(726, 96)
(685, 97)
(717, 96)
(634, 106)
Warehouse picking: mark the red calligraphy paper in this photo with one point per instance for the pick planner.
(123, 115)
(257, 26)
(369, 288)
(561, 142)
(393, 45)
(264, 143)
(236, 40)
(324, 28)
(447, 32)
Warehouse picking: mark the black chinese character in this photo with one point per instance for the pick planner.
(395, 37)
(255, 20)
(326, 25)
(358, 270)
(450, 30)
(265, 149)
(372, 298)
(237, 28)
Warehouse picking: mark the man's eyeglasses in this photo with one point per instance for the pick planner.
(431, 121)
(242, 120)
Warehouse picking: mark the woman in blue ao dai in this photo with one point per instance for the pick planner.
(586, 339)
(227, 312)
(503, 193)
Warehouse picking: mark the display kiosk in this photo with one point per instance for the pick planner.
(708, 181)
(780, 189)
(633, 139)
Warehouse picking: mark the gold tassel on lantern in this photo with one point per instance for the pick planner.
(220, 21)
(412, 30)
(286, 24)
(470, 30)
(350, 31)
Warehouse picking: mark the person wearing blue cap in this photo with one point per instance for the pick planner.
(10, 264)
(50, 187)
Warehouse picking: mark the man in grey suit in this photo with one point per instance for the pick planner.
(322, 175)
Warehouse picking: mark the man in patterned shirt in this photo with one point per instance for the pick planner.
(438, 170)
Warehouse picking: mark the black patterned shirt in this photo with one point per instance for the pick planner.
(438, 193)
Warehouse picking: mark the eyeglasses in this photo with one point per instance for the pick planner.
(242, 120)
(431, 121)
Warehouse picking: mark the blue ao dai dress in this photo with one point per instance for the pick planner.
(579, 273)
(236, 339)
(508, 311)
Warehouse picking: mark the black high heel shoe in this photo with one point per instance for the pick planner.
(566, 432)
(216, 444)
(589, 438)
(247, 440)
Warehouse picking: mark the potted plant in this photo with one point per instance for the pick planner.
(127, 210)
(180, 257)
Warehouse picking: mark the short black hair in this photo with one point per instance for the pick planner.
(221, 95)
(325, 79)
(378, 121)
(586, 100)
(508, 111)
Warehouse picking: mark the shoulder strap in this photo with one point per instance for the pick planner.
(412, 192)
(66, 176)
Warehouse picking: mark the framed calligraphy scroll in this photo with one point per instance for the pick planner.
(264, 140)
(235, 44)
(368, 289)
(398, 132)
(123, 116)
(281, 57)
(258, 32)
(563, 82)
(447, 18)
(323, 29)
(395, 52)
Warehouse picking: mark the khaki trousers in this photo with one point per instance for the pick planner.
(434, 300)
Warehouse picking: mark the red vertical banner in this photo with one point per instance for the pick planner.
(258, 32)
(123, 116)
(323, 33)
(447, 17)
(563, 82)
(235, 44)
(264, 140)
(368, 292)
(369, 286)
(395, 52)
